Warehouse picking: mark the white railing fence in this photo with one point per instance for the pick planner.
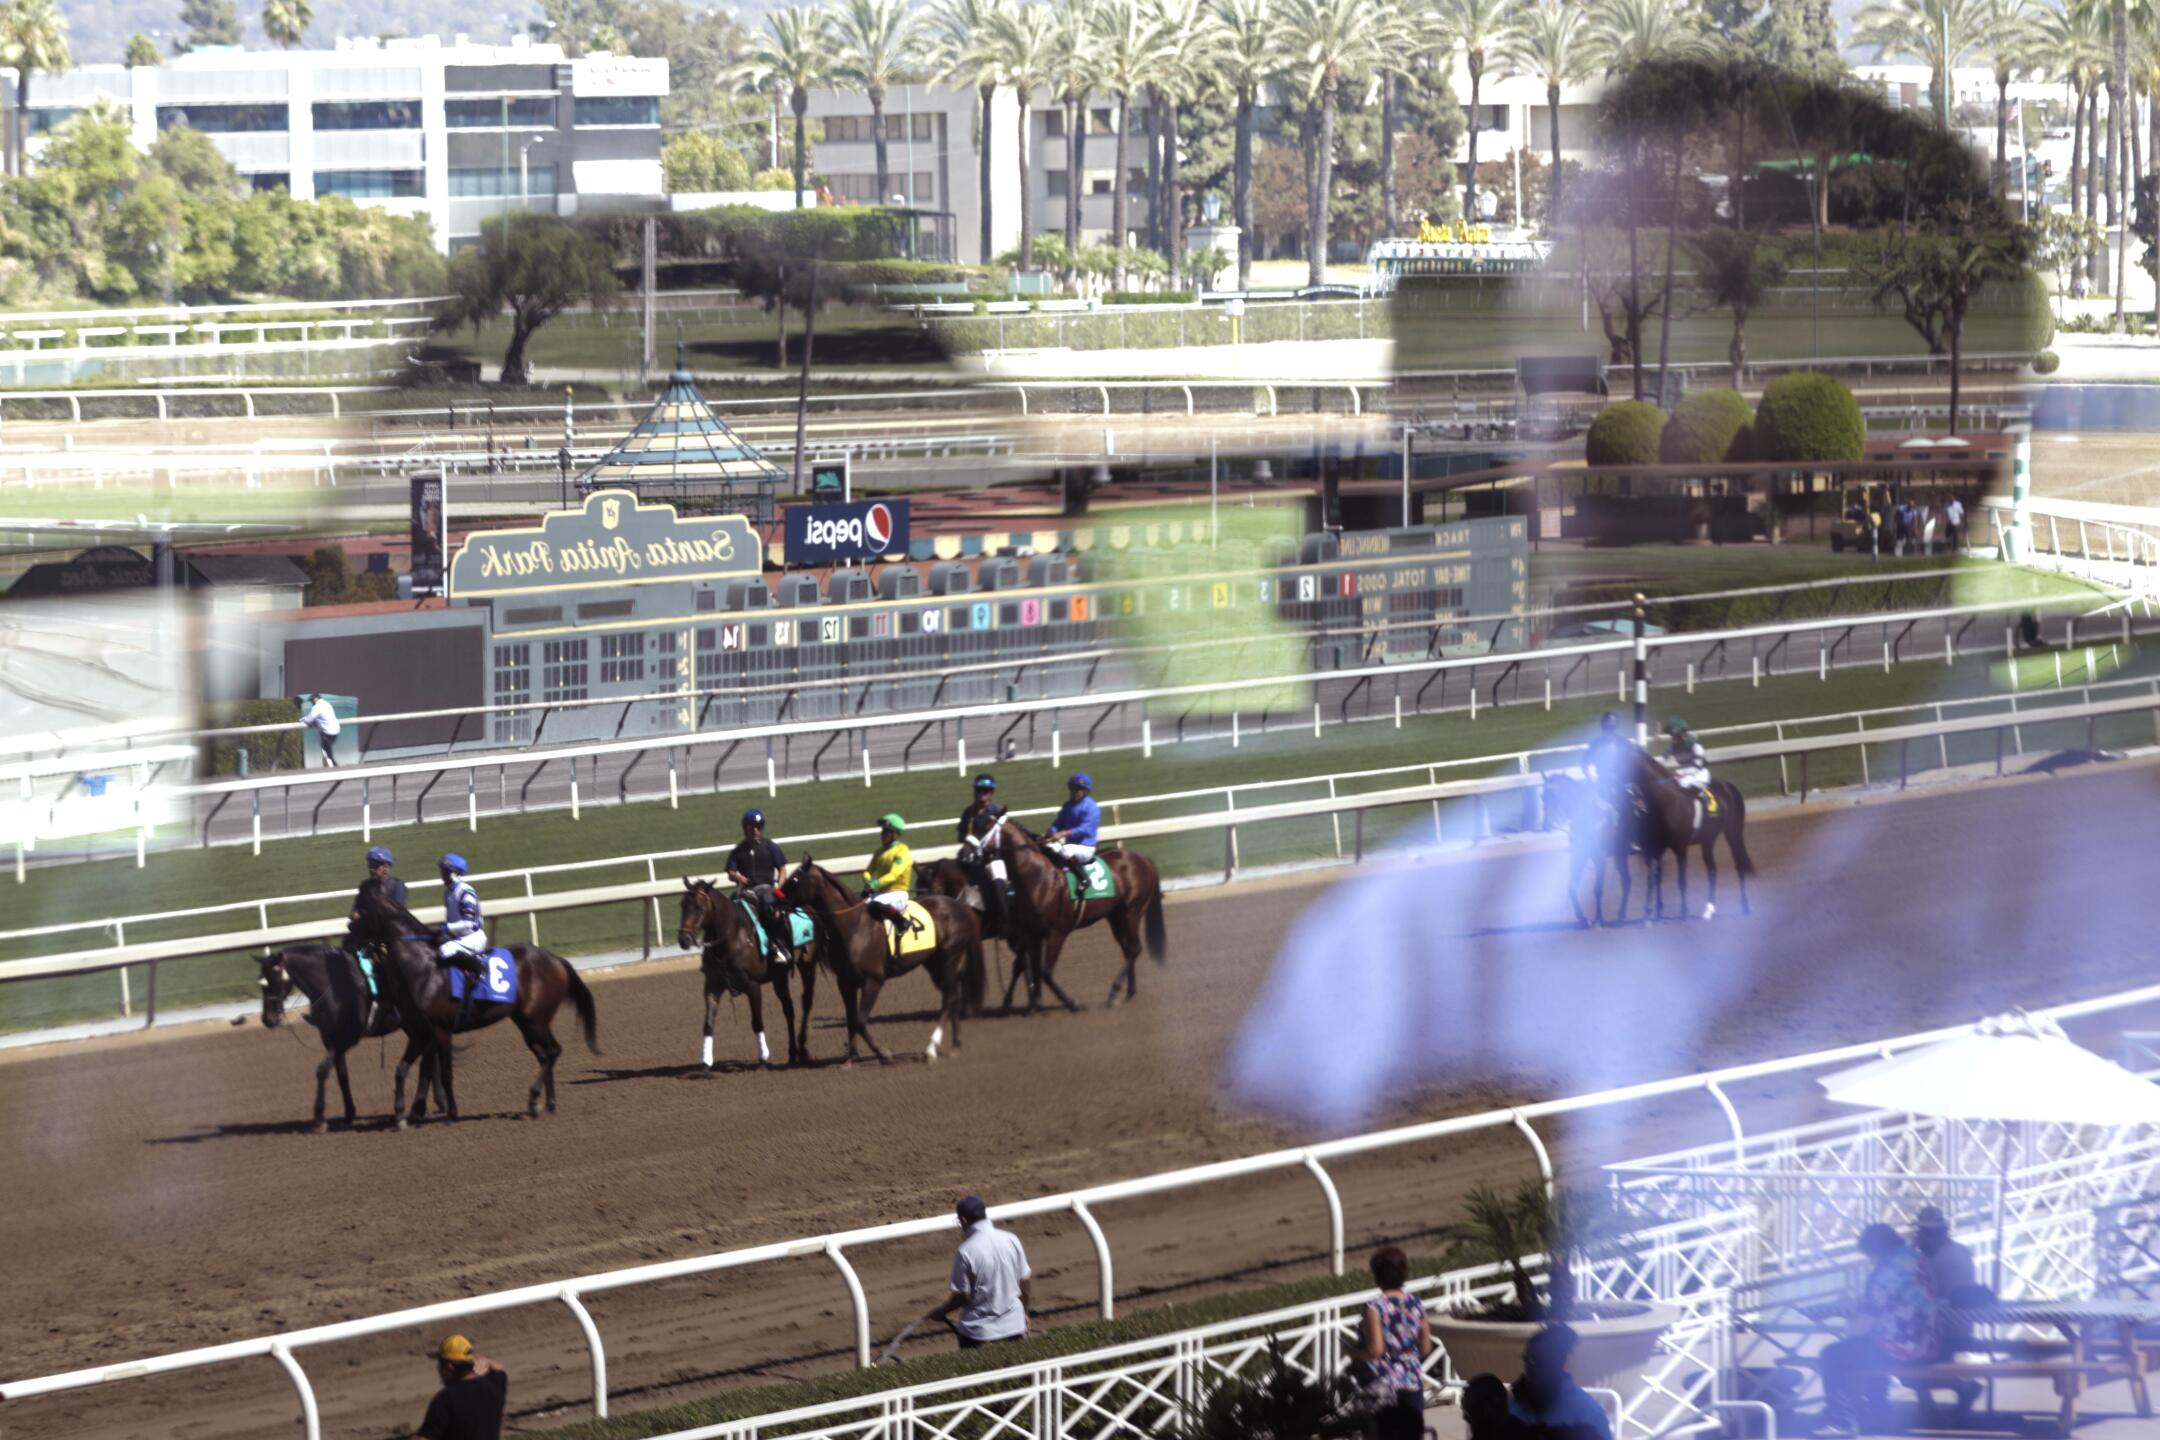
(2124, 557)
(1081, 1205)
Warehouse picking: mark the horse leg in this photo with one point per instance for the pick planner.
(1709, 865)
(545, 1048)
(871, 985)
(807, 964)
(1022, 958)
(712, 1009)
(946, 972)
(397, 1086)
(335, 1059)
(779, 978)
(1128, 939)
(443, 1073)
(757, 1021)
(850, 1004)
(344, 1085)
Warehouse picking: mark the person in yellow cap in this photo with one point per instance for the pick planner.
(474, 1391)
(891, 876)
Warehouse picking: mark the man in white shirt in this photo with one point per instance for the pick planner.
(1954, 524)
(323, 720)
(992, 1286)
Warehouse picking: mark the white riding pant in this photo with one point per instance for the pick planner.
(475, 945)
(892, 902)
(1693, 777)
(1066, 848)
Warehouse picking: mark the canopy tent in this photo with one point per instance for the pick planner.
(681, 451)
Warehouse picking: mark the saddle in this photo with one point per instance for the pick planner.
(1092, 884)
(497, 984)
(911, 930)
(801, 930)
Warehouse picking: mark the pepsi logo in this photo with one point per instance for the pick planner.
(878, 526)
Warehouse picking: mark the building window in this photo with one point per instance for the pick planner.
(45, 119)
(371, 184)
(513, 686)
(223, 119)
(922, 126)
(1057, 179)
(563, 674)
(270, 180)
(1136, 180)
(849, 128)
(518, 112)
(622, 659)
(481, 180)
(1490, 117)
(1054, 124)
(1099, 122)
(618, 110)
(367, 115)
(1099, 182)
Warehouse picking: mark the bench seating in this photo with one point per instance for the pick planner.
(2070, 1376)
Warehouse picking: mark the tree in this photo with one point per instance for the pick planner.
(1483, 29)
(1548, 41)
(698, 163)
(33, 37)
(792, 54)
(1935, 270)
(1328, 43)
(1799, 39)
(532, 265)
(1621, 34)
(209, 22)
(141, 51)
(286, 21)
(1249, 58)
(2008, 40)
(876, 39)
(1938, 33)
(1127, 47)
(1184, 69)
(1735, 271)
(1026, 42)
(961, 49)
(1077, 66)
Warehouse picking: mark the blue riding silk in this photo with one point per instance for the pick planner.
(498, 979)
(1083, 817)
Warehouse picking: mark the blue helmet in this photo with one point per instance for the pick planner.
(379, 856)
(753, 817)
(453, 863)
(1083, 780)
(986, 781)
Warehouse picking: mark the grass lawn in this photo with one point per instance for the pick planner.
(214, 503)
(185, 876)
(847, 338)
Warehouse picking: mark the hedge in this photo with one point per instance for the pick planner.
(1806, 418)
(1706, 427)
(277, 750)
(2047, 362)
(1625, 434)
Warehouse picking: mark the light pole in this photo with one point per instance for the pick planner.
(524, 169)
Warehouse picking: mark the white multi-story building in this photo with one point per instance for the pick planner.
(455, 132)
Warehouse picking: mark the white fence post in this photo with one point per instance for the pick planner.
(1102, 1257)
(857, 1299)
(310, 1417)
(593, 1347)
(1335, 1212)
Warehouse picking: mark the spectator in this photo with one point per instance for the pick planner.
(319, 717)
(1895, 1323)
(1954, 524)
(1485, 1411)
(1394, 1338)
(1548, 1396)
(1957, 1283)
(992, 1286)
(470, 1404)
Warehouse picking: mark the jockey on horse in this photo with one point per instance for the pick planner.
(462, 942)
(1073, 832)
(1690, 767)
(890, 880)
(757, 867)
(378, 878)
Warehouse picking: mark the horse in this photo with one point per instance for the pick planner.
(858, 947)
(1599, 835)
(967, 879)
(734, 963)
(1669, 824)
(1046, 915)
(417, 985)
(338, 1008)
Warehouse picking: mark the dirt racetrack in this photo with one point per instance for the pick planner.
(162, 1192)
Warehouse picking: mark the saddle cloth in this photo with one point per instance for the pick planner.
(1099, 884)
(923, 937)
(800, 929)
(498, 982)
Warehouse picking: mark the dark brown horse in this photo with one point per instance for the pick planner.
(969, 880)
(1669, 823)
(417, 985)
(1044, 914)
(734, 964)
(338, 1008)
(1600, 836)
(858, 945)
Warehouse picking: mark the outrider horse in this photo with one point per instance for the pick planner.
(734, 963)
(337, 1007)
(1669, 823)
(858, 945)
(1599, 836)
(416, 983)
(1044, 912)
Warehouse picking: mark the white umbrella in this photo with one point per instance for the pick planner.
(2009, 1068)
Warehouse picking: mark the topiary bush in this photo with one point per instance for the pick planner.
(2047, 362)
(1706, 427)
(278, 750)
(1808, 418)
(1625, 434)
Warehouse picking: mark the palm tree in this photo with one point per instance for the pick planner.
(33, 37)
(2074, 42)
(794, 53)
(2119, 133)
(1409, 35)
(1621, 34)
(1249, 58)
(875, 39)
(1326, 43)
(1077, 64)
(1482, 28)
(1190, 43)
(1548, 41)
(2009, 51)
(286, 21)
(1128, 48)
(1026, 42)
(1939, 33)
(963, 50)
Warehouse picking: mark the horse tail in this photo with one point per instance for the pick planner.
(1734, 834)
(588, 1014)
(1158, 944)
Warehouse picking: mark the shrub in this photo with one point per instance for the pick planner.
(1148, 297)
(1808, 418)
(1705, 428)
(276, 750)
(2047, 362)
(1625, 434)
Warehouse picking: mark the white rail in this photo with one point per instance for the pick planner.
(1080, 1204)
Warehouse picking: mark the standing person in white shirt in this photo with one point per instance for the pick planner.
(1954, 524)
(323, 720)
(992, 1286)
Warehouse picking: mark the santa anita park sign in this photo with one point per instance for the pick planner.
(613, 540)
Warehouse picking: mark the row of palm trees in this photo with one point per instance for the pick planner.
(1159, 54)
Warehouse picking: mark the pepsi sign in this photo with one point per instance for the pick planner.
(864, 530)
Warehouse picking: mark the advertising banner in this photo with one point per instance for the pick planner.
(822, 534)
(428, 535)
(615, 539)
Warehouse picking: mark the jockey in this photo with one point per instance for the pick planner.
(1072, 833)
(1684, 754)
(890, 879)
(1605, 758)
(463, 937)
(379, 880)
(757, 867)
(975, 821)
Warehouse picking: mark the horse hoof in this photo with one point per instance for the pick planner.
(320, 1127)
(401, 1123)
(1709, 912)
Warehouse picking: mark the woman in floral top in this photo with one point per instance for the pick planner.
(1897, 1322)
(1394, 1339)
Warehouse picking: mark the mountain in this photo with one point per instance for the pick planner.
(98, 30)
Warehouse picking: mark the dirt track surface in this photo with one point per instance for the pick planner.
(162, 1193)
